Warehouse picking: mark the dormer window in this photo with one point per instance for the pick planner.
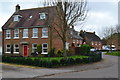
(42, 15)
(17, 17)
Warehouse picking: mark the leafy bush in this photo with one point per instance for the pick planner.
(85, 49)
(60, 53)
(39, 48)
(52, 52)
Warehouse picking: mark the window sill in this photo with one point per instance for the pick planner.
(7, 52)
(34, 37)
(44, 53)
(16, 37)
(44, 37)
(7, 38)
(16, 52)
(25, 37)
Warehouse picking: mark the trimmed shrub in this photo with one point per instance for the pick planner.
(63, 61)
(39, 48)
(85, 49)
(78, 60)
(70, 61)
(54, 62)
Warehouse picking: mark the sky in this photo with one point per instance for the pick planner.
(101, 14)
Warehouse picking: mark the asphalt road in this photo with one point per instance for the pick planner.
(107, 68)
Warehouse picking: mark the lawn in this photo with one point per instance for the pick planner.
(113, 53)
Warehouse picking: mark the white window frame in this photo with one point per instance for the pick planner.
(8, 32)
(25, 33)
(44, 31)
(15, 49)
(16, 33)
(44, 48)
(7, 48)
(34, 47)
(35, 31)
(42, 16)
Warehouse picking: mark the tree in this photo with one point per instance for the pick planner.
(118, 33)
(68, 13)
(109, 35)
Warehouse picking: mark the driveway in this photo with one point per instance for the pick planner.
(107, 68)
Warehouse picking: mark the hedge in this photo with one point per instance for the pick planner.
(53, 62)
(113, 53)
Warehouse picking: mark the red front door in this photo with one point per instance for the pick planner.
(25, 50)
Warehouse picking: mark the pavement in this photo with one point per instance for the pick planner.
(107, 68)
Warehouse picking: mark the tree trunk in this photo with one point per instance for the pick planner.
(51, 39)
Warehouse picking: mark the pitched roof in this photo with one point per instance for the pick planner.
(26, 21)
(75, 34)
(91, 36)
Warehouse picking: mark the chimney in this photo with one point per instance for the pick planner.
(17, 7)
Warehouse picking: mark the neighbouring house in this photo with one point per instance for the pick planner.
(27, 28)
(75, 38)
(92, 39)
(0, 43)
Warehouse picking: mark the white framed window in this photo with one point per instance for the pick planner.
(16, 33)
(42, 15)
(8, 48)
(35, 33)
(44, 48)
(34, 47)
(25, 33)
(44, 32)
(8, 34)
(16, 48)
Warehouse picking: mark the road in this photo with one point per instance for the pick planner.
(107, 68)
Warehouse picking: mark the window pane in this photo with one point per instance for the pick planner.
(35, 32)
(8, 45)
(44, 50)
(44, 45)
(25, 33)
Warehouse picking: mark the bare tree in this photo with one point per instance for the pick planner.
(118, 33)
(68, 14)
(109, 35)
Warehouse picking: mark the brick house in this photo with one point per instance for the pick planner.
(75, 38)
(92, 39)
(28, 28)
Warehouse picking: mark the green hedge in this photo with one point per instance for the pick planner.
(113, 53)
(52, 62)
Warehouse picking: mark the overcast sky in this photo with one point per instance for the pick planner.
(101, 13)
